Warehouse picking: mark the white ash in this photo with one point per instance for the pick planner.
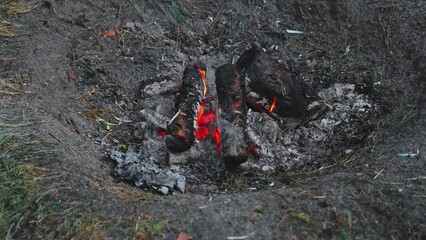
(140, 166)
(281, 148)
(162, 87)
(337, 92)
(155, 118)
(231, 137)
(161, 106)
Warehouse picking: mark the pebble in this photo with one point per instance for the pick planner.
(349, 151)
(267, 168)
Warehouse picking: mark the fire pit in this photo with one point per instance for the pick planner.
(254, 115)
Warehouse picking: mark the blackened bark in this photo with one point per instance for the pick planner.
(180, 131)
(270, 79)
(230, 86)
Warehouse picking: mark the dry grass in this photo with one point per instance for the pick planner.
(8, 9)
(29, 202)
(8, 29)
(12, 7)
(7, 88)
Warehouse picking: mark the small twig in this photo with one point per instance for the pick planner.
(415, 57)
(391, 183)
(57, 139)
(407, 115)
(417, 178)
(46, 193)
(97, 5)
(130, 78)
(420, 196)
(240, 237)
(216, 18)
(319, 197)
(135, 5)
(6, 125)
(46, 177)
(16, 93)
(319, 12)
(377, 175)
(9, 93)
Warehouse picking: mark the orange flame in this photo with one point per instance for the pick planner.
(200, 113)
(274, 103)
(203, 78)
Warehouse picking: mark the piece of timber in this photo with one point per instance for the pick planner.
(230, 93)
(180, 131)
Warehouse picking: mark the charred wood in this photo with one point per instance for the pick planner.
(270, 80)
(230, 86)
(180, 131)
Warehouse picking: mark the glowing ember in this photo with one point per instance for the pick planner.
(253, 151)
(216, 138)
(204, 118)
(202, 132)
(203, 78)
(271, 109)
(162, 133)
(200, 113)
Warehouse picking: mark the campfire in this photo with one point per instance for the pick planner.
(255, 113)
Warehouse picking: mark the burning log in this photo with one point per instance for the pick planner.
(180, 132)
(287, 95)
(229, 86)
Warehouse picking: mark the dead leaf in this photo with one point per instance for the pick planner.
(303, 217)
(183, 236)
(311, 63)
(93, 90)
(109, 33)
(72, 75)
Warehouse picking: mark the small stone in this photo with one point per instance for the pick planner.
(349, 151)
(164, 190)
(287, 141)
(130, 26)
(138, 25)
(267, 168)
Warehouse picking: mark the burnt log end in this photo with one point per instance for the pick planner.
(272, 80)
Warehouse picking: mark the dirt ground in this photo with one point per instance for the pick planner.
(73, 73)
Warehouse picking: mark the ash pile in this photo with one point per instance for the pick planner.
(254, 114)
